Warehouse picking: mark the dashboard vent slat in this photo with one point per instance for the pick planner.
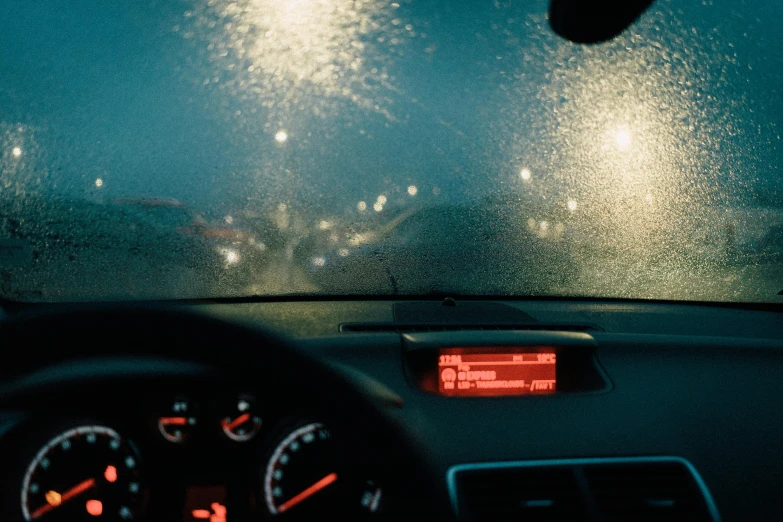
(642, 489)
(533, 494)
(646, 493)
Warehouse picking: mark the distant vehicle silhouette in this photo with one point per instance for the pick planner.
(486, 249)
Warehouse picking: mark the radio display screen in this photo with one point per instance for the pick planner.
(494, 372)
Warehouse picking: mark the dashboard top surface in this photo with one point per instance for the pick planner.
(312, 319)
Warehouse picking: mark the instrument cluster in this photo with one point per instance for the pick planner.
(212, 460)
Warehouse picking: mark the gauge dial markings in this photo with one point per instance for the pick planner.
(95, 452)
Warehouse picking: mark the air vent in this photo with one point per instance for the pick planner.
(458, 327)
(651, 492)
(530, 494)
(645, 489)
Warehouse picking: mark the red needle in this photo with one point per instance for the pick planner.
(76, 490)
(236, 422)
(309, 492)
(165, 421)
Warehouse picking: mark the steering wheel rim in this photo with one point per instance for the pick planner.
(167, 339)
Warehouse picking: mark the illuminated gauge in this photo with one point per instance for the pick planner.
(305, 477)
(84, 473)
(243, 422)
(177, 426)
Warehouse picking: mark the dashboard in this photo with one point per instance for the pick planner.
(551, 412)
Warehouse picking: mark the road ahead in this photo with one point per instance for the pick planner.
(96, 274)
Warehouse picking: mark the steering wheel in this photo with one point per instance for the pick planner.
(117, 349)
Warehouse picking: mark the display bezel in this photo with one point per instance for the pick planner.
(577, 369)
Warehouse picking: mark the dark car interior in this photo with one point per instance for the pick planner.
(660, 411)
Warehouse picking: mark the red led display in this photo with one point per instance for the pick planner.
(205, 503)
(466, 372)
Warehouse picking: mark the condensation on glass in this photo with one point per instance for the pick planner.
(216, 148)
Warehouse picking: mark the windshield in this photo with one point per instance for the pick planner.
(227, 148)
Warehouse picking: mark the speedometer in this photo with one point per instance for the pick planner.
(85, 473)
(304, 478)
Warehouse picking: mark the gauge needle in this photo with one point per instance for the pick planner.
(236, 422)
(165, 421)
(58, 499)
(309, 492)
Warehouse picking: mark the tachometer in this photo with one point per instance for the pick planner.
(305, 477)
(84, 473)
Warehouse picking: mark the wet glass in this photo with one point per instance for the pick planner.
(222, 148)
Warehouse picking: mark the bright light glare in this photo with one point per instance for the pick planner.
(362, 205)
(304, 52)
(99, 182)
(572, 205)
(525, 174)
(230, 256)
(16, 151)
(412, 190)
(623, 139)
(281, 136)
